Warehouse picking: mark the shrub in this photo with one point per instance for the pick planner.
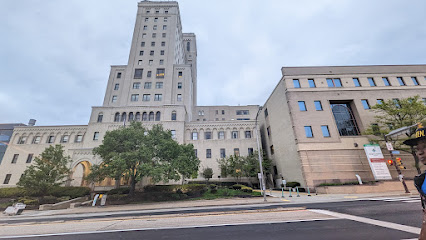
(120, 191)
(237, 186)
(28, 201)
(293, 184)
(12, 192)
(247, 189)
(72, 192)
(48, 200)
(160, 188)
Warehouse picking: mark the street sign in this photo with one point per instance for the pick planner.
(389, 146)
(259, 175)
(396, 152)
(377, 162)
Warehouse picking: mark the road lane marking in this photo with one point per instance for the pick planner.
(418, 200)
(166, 228)
(391, 225)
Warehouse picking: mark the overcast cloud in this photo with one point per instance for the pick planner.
(55, 56)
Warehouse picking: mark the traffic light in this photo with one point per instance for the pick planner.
(390, 162)
(400, 164)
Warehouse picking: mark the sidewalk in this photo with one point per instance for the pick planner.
(273, 198)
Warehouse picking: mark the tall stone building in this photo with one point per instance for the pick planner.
(313, 120)
(157, 86)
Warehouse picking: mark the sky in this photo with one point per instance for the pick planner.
(55, 56)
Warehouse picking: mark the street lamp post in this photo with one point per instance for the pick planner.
(262, 181)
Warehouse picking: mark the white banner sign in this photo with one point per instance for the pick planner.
(377, 162)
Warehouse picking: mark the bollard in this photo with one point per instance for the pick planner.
(309, 193)
(297, 189)
(290, 192)
(282, 192)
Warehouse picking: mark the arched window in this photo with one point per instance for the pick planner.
(345, 120)
(174, 115)
(144, 116)
(151, 116)
(100, 117)
(157, 116)
(123, 116)
(130, 116)
(117, 117)
(138, 116)
(188, 46)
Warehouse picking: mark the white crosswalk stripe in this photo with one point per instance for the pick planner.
(412, 199)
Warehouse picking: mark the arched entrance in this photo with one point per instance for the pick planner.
(79, 172)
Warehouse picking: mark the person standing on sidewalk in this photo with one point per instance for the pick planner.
(419, 180)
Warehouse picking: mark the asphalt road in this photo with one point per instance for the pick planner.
(404, 213)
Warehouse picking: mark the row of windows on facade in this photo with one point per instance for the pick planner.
(151, 53)
(365, 103)
(147, 85)
(157, 11)
(50, 139)
(324, 129)
(222, 152)
(137, 116)
(139, 72)
(163, 44)
(146, 97)
(220, 135)
(154, 27)
(155, 19)
(150, 63)
(238, 112)
(336, 82)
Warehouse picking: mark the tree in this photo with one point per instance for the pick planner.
(393, 114)
(135, 152)
(50, 169)
(207, 173)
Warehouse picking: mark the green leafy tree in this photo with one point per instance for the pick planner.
(135, 152)
(207, 173)
(49, 170)
(251, 165)
(393, 114)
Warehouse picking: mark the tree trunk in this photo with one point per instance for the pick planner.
(416, 160)
(132, 185)
(117, 181)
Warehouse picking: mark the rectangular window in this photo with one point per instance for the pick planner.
(250, 151)
(386, 81)
(221, 135)
(365, 103)
(138, 73)
(162, 52)
(173, 132)
(151, 53)
(194, 136)
(36, 139)
(161, 62)
(223, 112)
(164, 27)
(146, 97)
(154, 35)
(396, 102)
(136, 85)
(268, 130)
(371, 82)
(424, 101)
(308, 132)
(145, 27)
(416, 83)
(51, 139)
(158, 97)
(114, 99)
(379, 101)
(165, 19)
(149, 73)
(196, 152)
(247, 134)
(139, 62)
(208, 135)
(376, 129)
(318, 105)
(146, 19)
(401, 81)
(311, 83)
(152, 44)
(163, 44)
(7, 179)
(100, 117)
(155, 19)
(234, 134)
(179, 86)
(134, 97)
(140, 53)
(325, 132)
(242, 112)
(208, 153)
(142, 44)
(302, 106)
(356, 82)
(143, 35)
(96, 136)
(147, 85)
(159, 85)
(116, 86)
(180, 74)
(296, 83)
(29, 158)
(266, 112)
(334, 82)
(119, 75)
(15, 158)
(65, 138)
(222, 153)
(236, 151)
(150, 62)
(272, 149)
(163, 35)
(179, 98)
(22, 140)
(160, 72)
(79, 138)
(154, 27)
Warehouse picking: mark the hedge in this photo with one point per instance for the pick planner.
(12, 192)
(72, 192)
(119, 191)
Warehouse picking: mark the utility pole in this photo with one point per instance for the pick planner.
(262, 181)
